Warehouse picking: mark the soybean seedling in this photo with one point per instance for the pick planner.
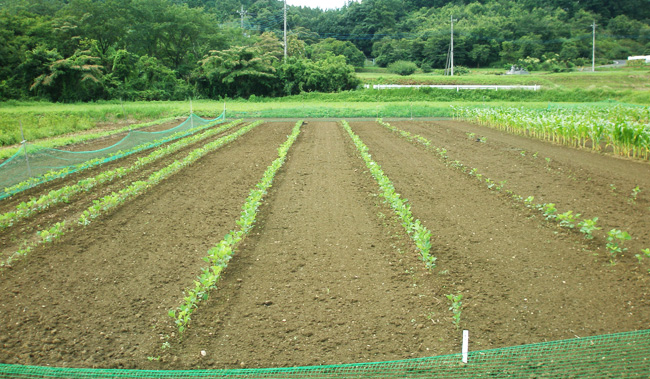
(587, 227)
(633, 195)
(456, 305)
(549, 211)
(645, 254)
(615, 240)
(567, 219)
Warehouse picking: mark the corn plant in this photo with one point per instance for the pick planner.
(624, 128)
(615, 240)
(456, 307)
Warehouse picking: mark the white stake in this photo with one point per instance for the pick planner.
(465, 345)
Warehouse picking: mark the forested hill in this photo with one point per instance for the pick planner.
(68, 50)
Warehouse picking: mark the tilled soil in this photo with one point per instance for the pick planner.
(12, 239)
(92, 298)
(327, 276)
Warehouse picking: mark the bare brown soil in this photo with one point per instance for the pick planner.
(327, 276)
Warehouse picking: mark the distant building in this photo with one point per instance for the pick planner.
(516, 70)
(646, 58)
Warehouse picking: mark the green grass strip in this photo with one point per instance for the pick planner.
(107, 203)
(64, 194)
(219, 255)
(418, 232)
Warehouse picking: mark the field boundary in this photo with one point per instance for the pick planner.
(457, 87)
(613, 355)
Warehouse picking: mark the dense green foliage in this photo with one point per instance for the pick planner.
(82, 50)
(403, 68)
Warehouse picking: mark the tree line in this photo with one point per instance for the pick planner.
(83, 50)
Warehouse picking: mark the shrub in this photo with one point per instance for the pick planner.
(403, 68)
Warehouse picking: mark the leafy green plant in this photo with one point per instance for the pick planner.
(568, 219)
(456, 307)
(633, 195)
(420, 234)
(219, 255)
(549, 211)
(529, 201)
(612, 188)
(56, 231)
(588, 226)
(403, 68)
(615, 240)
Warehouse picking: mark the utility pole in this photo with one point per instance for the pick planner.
(242, 13)
(285, 30)
(593, 49)
(451, 51)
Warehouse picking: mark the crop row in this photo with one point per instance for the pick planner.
(65, 194)
(625, 129)
(219, 255)
(136, 188)
(615, 238)
(418, 232)
(55, 174)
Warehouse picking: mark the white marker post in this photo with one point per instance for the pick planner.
(465, 345)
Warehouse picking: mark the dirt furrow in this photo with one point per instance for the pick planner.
(524, 281)
(93, 298)
(593, 184)
(13, 238)
(325, 278)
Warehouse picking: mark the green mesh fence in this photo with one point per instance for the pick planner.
(33, 165)
(622, 355)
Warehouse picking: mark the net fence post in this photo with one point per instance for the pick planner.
(24, 143)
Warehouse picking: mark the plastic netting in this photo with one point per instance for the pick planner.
(33, 165)
(622, 355)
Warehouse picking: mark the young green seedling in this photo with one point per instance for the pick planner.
(633, 195)
(567, 219)
(456, 307)
(615, 240)
(587, 227)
